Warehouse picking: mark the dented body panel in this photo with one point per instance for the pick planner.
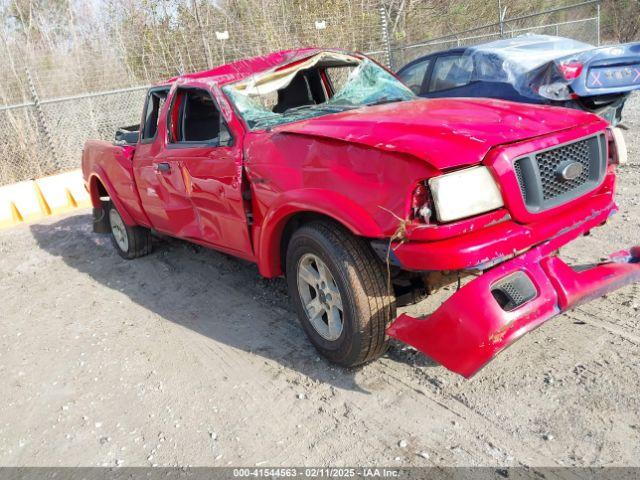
(443, 132)
(360, 168)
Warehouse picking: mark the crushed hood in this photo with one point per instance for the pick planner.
(446, 133)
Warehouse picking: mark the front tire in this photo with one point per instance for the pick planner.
(340, 291)
(129, 242)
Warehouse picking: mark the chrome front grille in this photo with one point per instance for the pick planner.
(544, 176)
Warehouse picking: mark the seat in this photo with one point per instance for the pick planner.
(296, 94)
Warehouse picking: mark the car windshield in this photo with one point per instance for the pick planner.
(356, 83)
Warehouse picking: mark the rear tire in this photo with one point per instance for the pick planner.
(129, 242)
(340, 292)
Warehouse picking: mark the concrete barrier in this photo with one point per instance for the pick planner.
(33, 200)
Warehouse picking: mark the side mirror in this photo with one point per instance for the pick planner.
(127, 135)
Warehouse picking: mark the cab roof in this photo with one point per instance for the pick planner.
(241, 69)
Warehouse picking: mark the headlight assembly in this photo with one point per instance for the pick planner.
(464, 193)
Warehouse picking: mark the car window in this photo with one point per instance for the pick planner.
(196, 118)
(155, 101)
(491, 68)
(450, 71)
(338, 76)
(414, 75)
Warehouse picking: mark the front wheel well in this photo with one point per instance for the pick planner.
(408, 287)
(296, 221)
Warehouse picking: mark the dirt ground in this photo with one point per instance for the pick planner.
(188, 357)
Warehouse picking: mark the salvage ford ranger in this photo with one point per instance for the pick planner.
(322, 166)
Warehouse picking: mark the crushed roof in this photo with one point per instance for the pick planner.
(241, 69)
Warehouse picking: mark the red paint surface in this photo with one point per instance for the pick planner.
(360, 168)
(446, 132)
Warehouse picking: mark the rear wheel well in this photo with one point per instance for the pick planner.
(100, 201)
(98, 192)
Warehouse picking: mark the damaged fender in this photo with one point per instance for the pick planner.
(476, 322)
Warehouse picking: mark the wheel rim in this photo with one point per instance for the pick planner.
(320, 297)
(118, 230)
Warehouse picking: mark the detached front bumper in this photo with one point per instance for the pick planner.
(491, 312)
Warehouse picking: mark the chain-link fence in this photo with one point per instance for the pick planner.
(46, 138)
(56, 97)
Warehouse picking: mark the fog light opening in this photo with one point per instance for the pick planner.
(513, 291)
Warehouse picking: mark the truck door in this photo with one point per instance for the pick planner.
(159, 185)
(201, 149)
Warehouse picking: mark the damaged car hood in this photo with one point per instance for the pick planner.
(444, 132)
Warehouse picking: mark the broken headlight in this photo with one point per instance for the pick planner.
(464, 193)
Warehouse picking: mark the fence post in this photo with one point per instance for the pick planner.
(42, 123)
(598, 23)
(386, 39)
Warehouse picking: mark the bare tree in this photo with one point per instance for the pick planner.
(622, 19)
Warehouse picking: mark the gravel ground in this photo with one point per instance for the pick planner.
(188, 357)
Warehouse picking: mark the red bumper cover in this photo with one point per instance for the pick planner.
(470, 328)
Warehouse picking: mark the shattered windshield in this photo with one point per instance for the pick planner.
(365, 84)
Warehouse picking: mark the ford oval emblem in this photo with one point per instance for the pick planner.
(570, 171)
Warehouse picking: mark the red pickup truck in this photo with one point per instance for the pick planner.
(321, 166)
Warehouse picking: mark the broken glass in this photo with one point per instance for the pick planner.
(367, 84)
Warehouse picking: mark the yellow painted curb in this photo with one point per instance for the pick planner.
(36, 199)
